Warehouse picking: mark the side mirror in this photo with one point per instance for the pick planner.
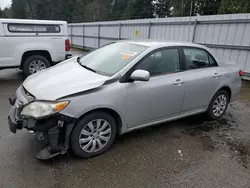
(140, 75)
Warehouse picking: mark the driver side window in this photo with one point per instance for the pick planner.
(161, 62)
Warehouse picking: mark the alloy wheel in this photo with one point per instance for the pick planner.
(220, 105)
(95, 135)
(36, 66)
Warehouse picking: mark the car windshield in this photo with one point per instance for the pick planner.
(109, 59)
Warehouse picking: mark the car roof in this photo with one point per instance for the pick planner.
(161, 44)
(155, 43)
(31, 21)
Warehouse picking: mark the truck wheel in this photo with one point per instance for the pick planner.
(93, 134)
(34, 64)
(218, 105)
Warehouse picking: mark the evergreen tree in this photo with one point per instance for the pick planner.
(118, 9)
(162, 8)
(234, 6)
(137, 9)
(97, 10)
(18, 9)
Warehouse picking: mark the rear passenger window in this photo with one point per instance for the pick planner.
(196, 58)
(33, 28)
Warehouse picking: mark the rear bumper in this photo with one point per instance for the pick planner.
(235, 89)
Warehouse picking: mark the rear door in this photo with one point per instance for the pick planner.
(201, 79)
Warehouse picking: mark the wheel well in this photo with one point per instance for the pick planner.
(228, 90)
(113, 113)
(27, 54)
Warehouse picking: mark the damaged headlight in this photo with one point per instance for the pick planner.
(40, 109)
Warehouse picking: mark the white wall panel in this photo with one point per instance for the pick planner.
(219, 53)
(105, 41)
(77, 41)
(242, 59)
(246, 36)
(216, 34)
(231, 34)
(107, 31)
(234, 56)
(223, 34)
(91, 31)
(77, 30)
(239, 33)
(247, 63)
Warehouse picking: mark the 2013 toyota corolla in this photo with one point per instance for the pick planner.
(85, 102)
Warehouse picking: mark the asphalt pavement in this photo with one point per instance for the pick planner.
(190, 152)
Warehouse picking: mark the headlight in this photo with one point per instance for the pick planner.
(40, 109)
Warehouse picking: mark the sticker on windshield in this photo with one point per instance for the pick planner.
(126, 55)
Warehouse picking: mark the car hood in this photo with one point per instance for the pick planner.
(61, 80)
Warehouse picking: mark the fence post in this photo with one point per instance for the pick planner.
(195, 24)
(149, 29)
(71, 34)
(120, 29)
(83, 36)
(98, 37)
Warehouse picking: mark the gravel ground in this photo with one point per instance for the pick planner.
(185, 153)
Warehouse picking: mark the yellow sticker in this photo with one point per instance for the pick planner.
(137, 33)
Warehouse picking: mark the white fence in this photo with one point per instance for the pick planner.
(227, 35)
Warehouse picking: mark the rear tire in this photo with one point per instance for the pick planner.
(93, 134)
(218, 105)
(35, 63)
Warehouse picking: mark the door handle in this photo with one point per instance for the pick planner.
(178, 82)
(216, 75)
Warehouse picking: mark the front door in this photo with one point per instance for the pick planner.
(159, 98)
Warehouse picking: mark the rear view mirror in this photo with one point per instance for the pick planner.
(140, 75)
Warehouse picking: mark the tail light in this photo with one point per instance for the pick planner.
(67, 45)
(241, 73)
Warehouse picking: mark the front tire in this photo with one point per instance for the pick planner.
(218, 105)
(93, 134)
(34, 64)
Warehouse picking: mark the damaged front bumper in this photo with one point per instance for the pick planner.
(53, 130)
(12, 126)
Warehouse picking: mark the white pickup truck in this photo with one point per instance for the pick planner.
(32, 45)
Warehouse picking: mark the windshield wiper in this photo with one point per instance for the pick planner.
(78, 59)
(88, 68)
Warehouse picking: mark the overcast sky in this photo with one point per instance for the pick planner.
(4, 3)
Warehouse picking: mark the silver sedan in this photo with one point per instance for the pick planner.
(85, 102)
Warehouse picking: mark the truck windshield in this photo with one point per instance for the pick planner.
(109, 59)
